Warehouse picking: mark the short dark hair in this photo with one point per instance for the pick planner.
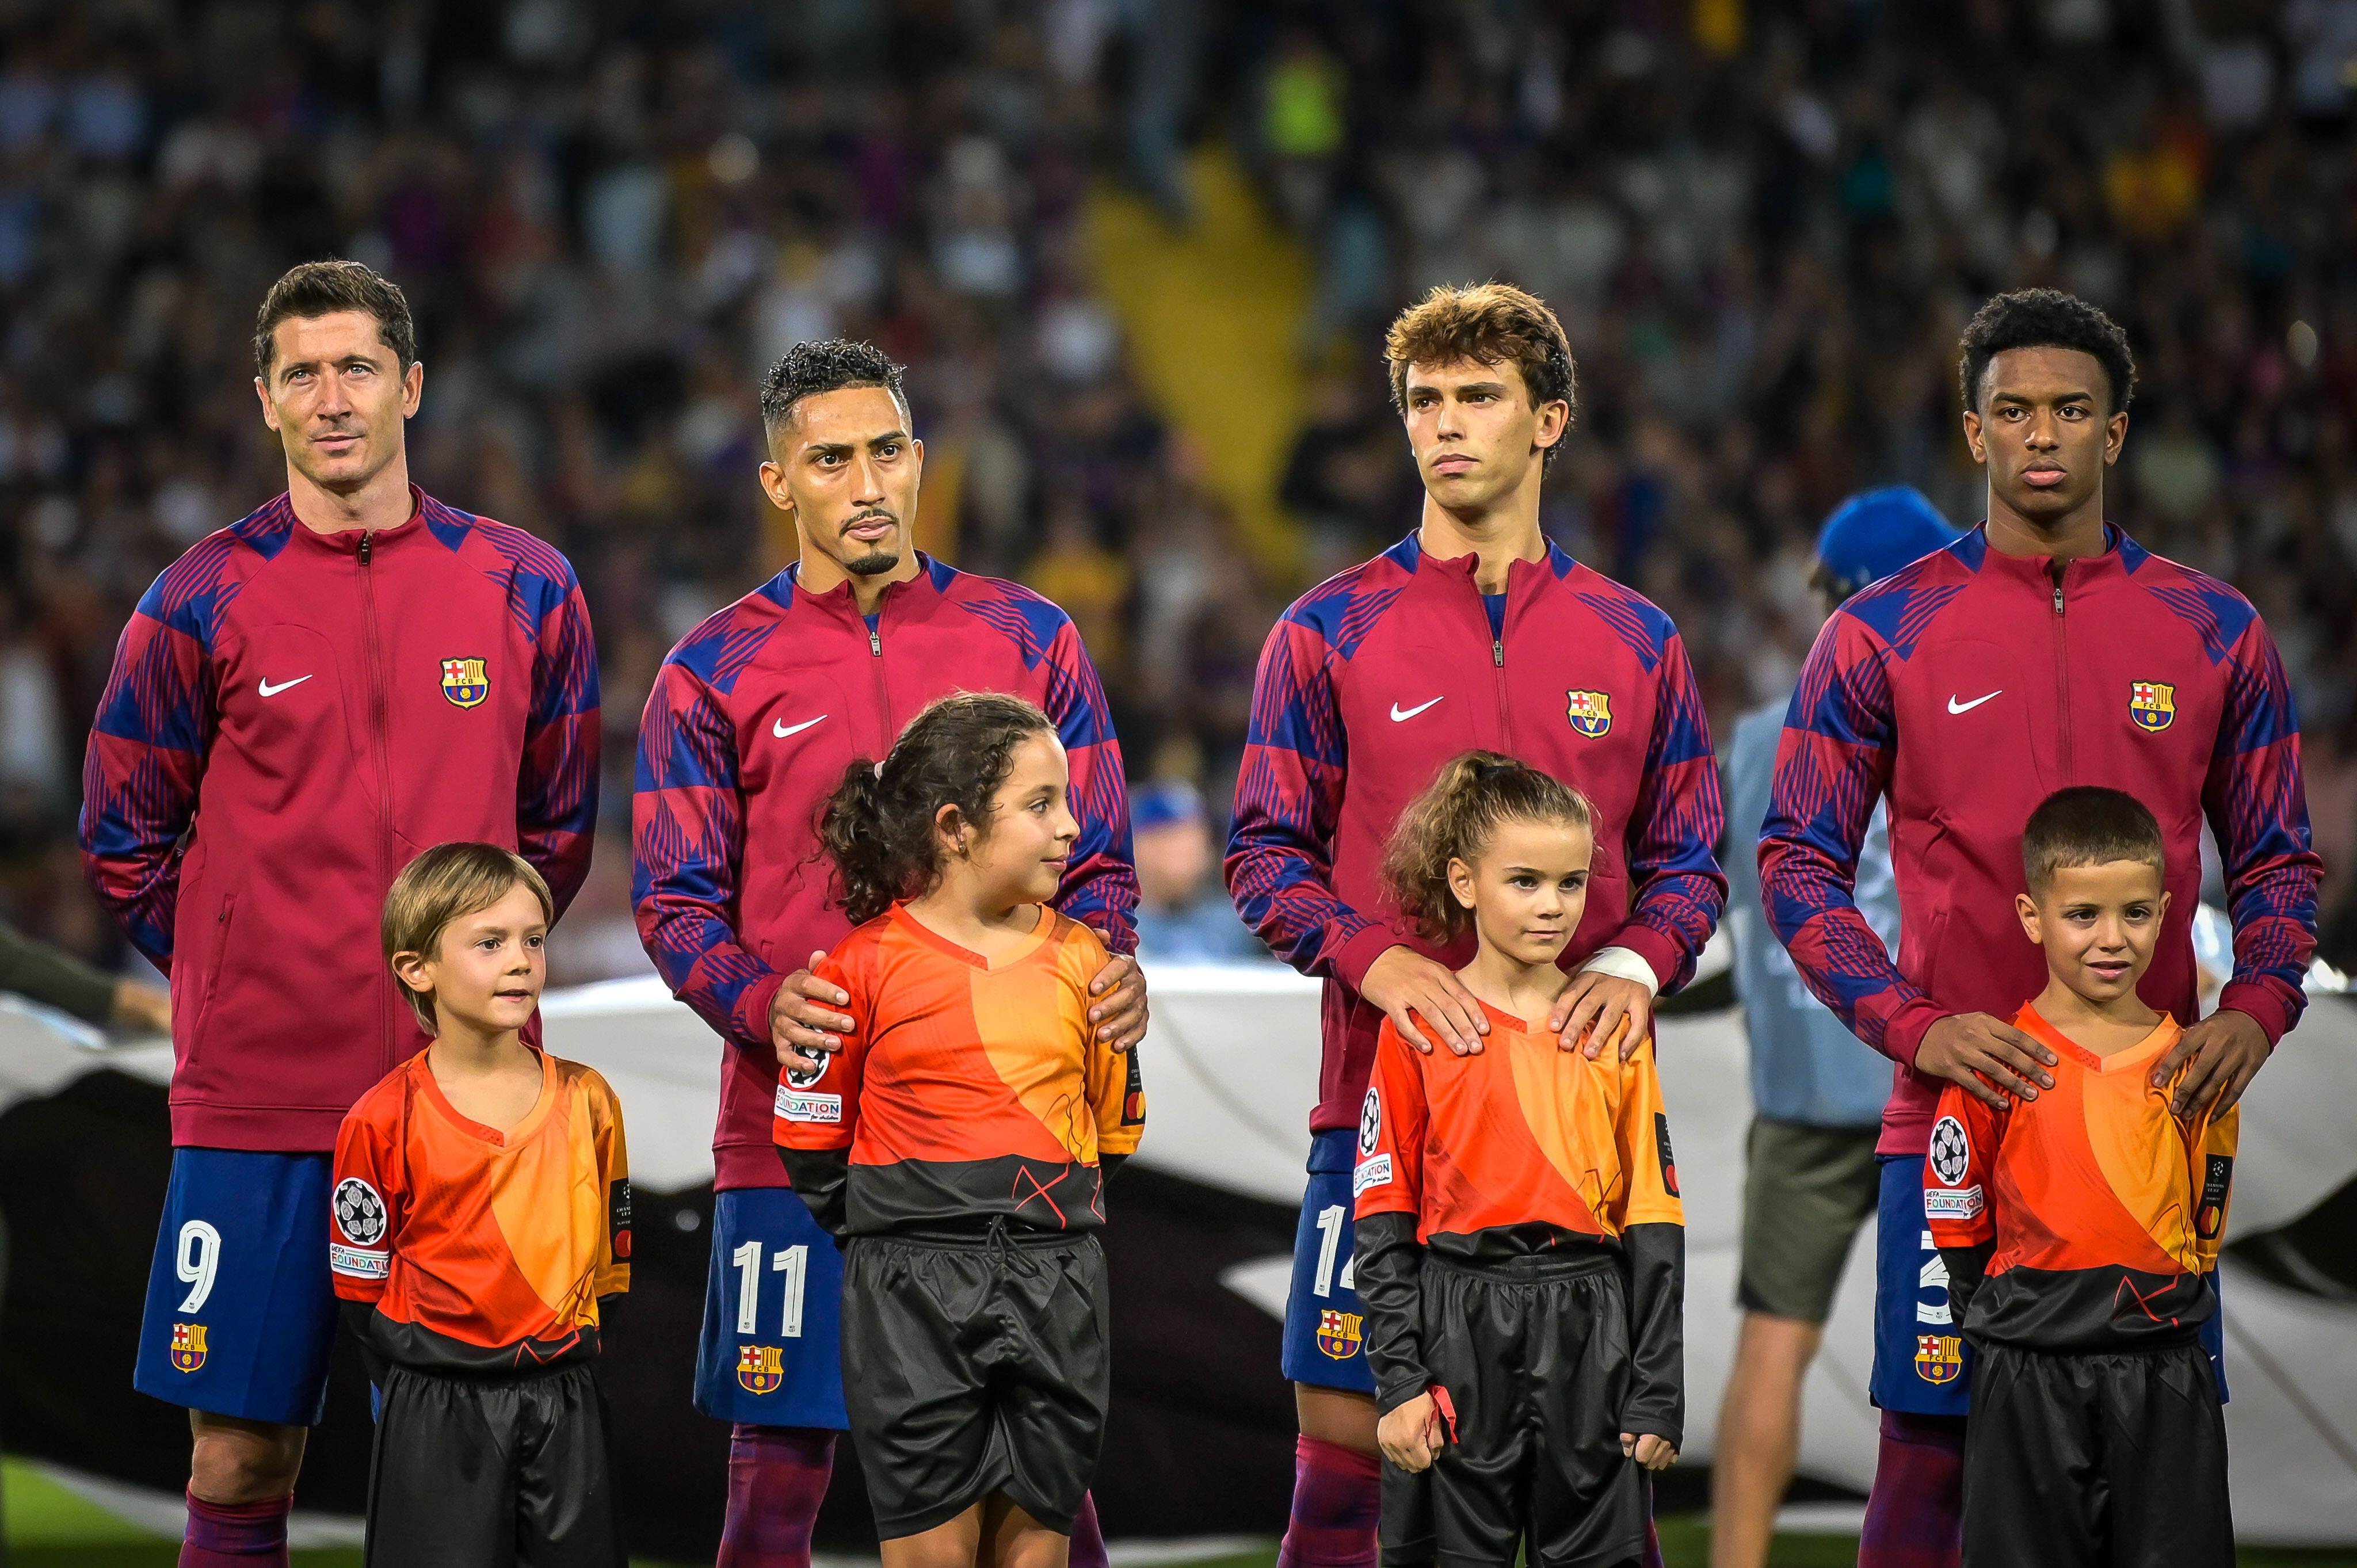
(1494, 323)
(2088, 825)
(323, 288)
(2045, 318)
(831, 364)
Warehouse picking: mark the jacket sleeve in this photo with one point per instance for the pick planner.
(1100, 886)
(613, 1272)
(1675, 887)
(1115, 1080)
(148, 748)
(1966, 1137)
(688, 843)
(1831, 766)
(2258, 806)
(1388, 1261)
(1280, 861)
(813, 1123)
(556, 790)
(1651, 1220)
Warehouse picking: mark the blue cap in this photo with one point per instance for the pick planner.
(1164, 804)
(1875, 532)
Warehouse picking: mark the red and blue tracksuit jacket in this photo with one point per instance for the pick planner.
(752, 721)
(290, 718)
(1967, 688)
(1377, 677)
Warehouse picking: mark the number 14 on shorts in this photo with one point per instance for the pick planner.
(792, 1261)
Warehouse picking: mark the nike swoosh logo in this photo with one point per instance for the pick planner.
(1956, 707)
(270, 691)
(1399, 717)
(783, 729)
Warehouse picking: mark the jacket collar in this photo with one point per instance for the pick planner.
(2036, 570)
(424, 510)
(837, 602)
(1410, 554)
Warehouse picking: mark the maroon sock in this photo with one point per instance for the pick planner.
(1915, 1514)
(1088, 1536)
(777, 1479)
(1335, 1496)
(236, 1535)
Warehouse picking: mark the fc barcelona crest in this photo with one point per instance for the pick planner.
(1939, 1358)
(2152, 703)
(465, 681)
(1590, 713)
(187, 1346)
(760, 1369)
(1339, 1333)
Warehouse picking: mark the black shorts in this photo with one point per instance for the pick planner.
(2115, 1459)
(976, 1368)
(492, 1472)
(1535, 1358)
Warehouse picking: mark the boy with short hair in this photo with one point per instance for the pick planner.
(2079, 1231)
(481, 1217)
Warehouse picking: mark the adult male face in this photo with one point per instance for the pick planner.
(2045, 427)
(338, 398)
(1477, 435)
(844, 466)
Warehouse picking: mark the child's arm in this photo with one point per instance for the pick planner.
(1653, 1224)
(814, 1119)
(2210, 1143)
(1389, 1187)
(367, 1201)
(1965, 1136)
(613, 1277)
(1115, 1084)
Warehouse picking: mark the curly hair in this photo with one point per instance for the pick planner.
(830, 364)
(1494, 323)
(1459, 813)
(878, 826)
(2044, 318)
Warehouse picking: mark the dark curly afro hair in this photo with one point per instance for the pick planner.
(2045, 318)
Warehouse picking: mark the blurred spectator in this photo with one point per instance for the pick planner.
(1184, 916)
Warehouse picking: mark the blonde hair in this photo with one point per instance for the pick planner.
(1455, 818)
(450, 882)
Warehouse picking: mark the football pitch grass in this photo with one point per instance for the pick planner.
(48, 1526)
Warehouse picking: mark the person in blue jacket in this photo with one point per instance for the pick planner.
(1810, 1178)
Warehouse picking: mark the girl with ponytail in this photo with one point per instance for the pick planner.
(959, 1143)
(1520, 1247)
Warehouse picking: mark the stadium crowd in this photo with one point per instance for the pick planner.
(1763, 226)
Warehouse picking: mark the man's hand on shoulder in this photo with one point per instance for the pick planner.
(1973, 1050)
(2220, 1055)
(1402, 981)
(1117, 1002)
(804, 1022)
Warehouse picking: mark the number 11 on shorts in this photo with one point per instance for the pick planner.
(791, 1261)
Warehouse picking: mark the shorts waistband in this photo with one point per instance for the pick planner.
(1531, 1268)
(1000, 1234)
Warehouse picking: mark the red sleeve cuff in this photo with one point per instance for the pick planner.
(752, 1018)
(1903, 1035)
(1357, 954)
(1662, 955)
(2261, 1003)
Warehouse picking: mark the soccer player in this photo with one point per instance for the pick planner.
(1810, 1178)
(481, 1218)
(1521, 1246)
(352, 670)
(2079, 1230)
(748, 730)
(961, 1141)
(2044, 649)
(1474, 630)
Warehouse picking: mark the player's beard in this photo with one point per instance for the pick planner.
(874, 563)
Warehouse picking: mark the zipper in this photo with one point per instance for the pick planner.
(875, 662)
(377, 726)
(2062, 674)
(1498, 663)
